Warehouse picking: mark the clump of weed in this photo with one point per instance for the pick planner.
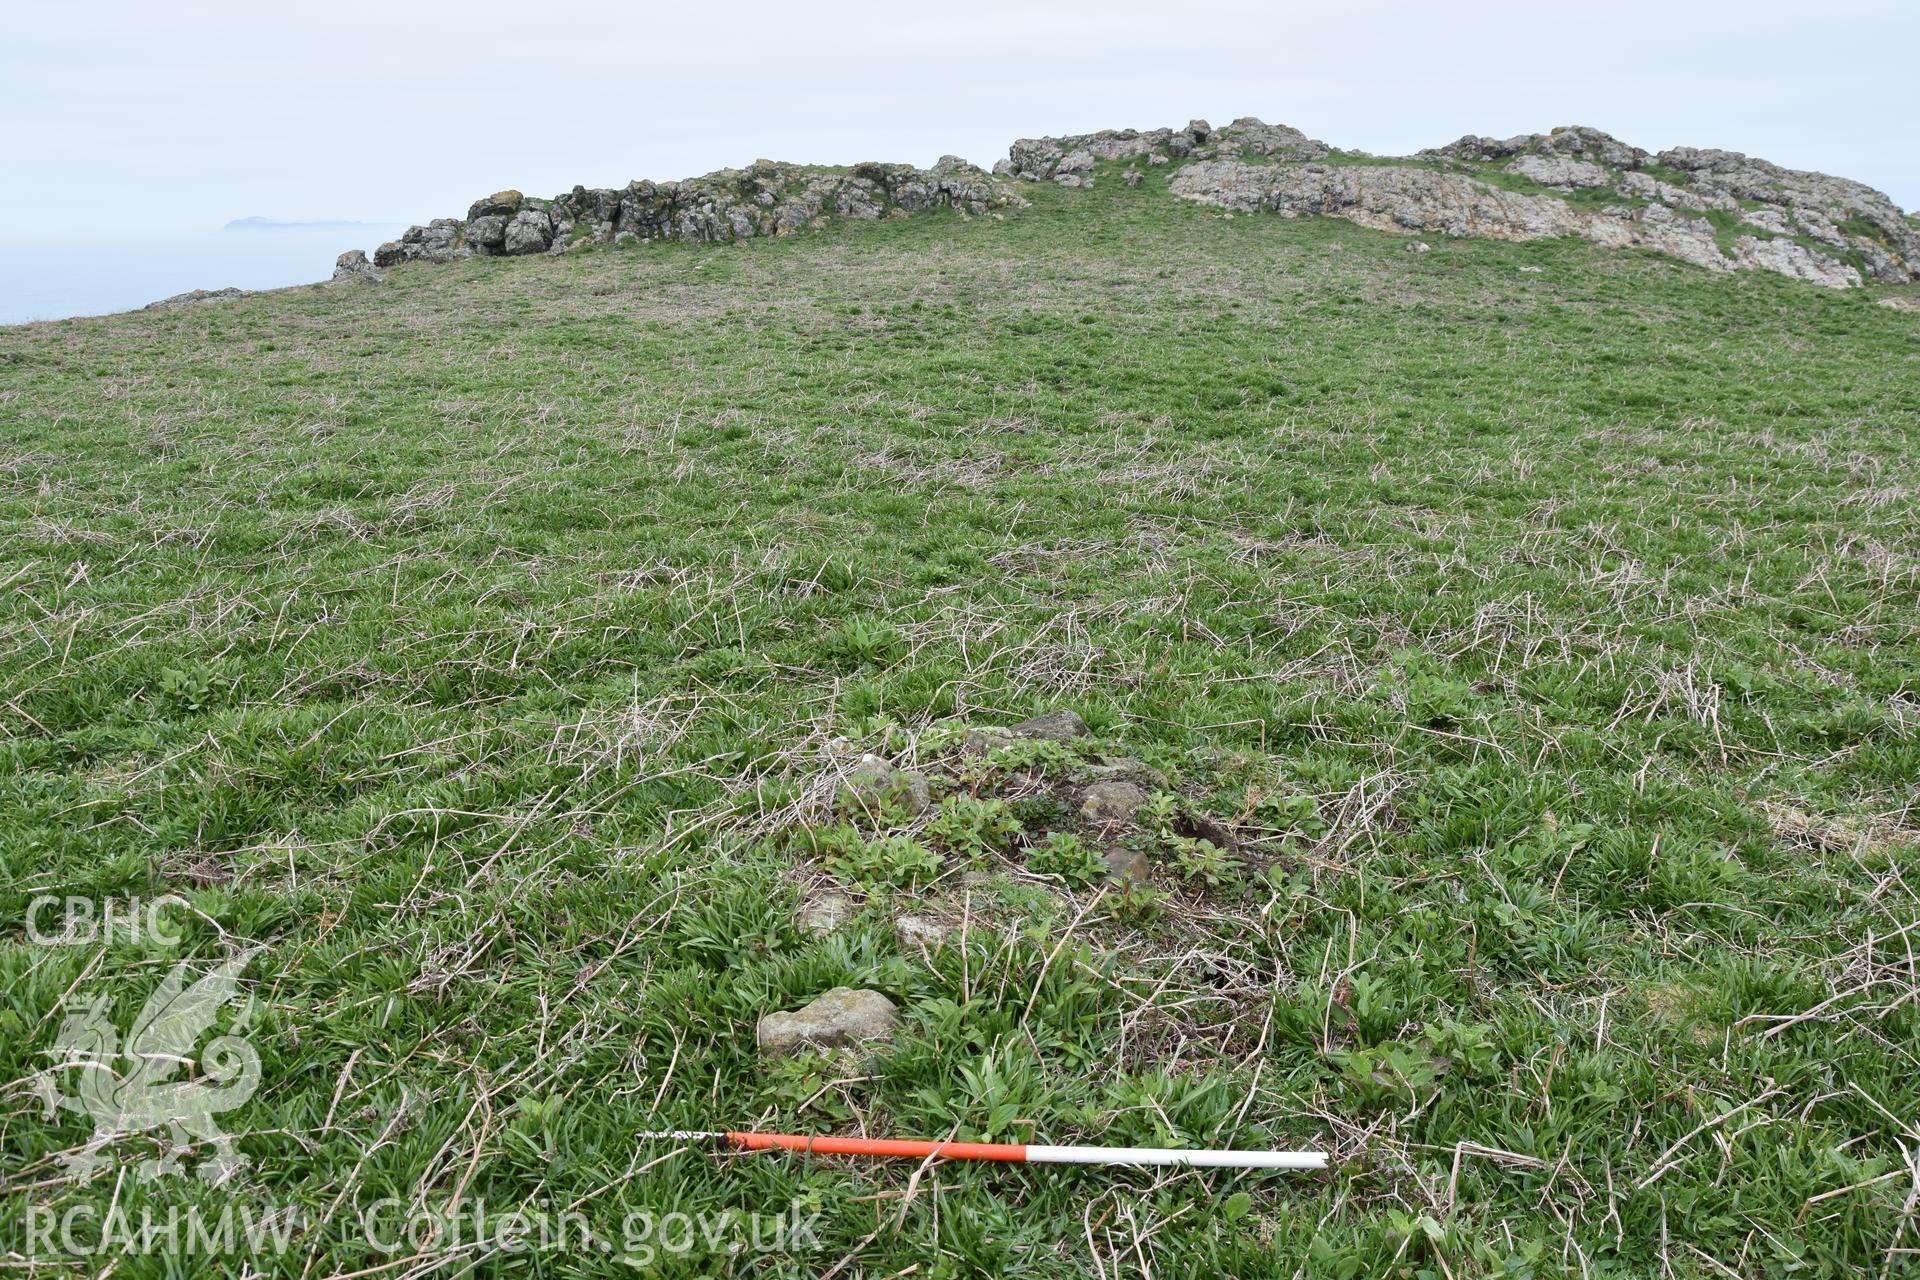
(1064, 854)
(972, 827)
(1202, 862)
(876, 862)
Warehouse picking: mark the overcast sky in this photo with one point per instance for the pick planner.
(187, 114)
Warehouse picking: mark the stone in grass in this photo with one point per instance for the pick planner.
(874, 782)
(979, 742)
(822, 913)
(920, 930)
(843, 1018)
(1055, 726)
(1127, 866)
(1111, 803)
(1125, 769)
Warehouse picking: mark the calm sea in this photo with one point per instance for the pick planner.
(50, 278)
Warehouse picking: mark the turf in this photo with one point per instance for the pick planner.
(1547, 640)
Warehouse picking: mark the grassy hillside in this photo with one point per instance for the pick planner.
(1546, 642)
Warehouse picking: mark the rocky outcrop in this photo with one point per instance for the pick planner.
(194, 297)
(1069, 161)
(1717, 209)
(1453, 204)
(1560, 173)
(765, 199)
(1846, 217)
(353, 265)
(1578, 142)
(1836, 212)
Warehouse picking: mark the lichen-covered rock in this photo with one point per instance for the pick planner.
(1386, 197)
(1124, 769)
(1820, 204)
(531, 231)
(1069, 160)
(1075, 168)
(1575, 142)
(1393, 198)
(1127, 864)
(843, 1018)
(1251, 136)
(920, 931)
(1111, 803)
(193, 297)
(487, 234)
(765, 199)
(822, 913)
(1054, 726)
(353, 265)
(873, 783)
(1862, 232)
(501, 204)
(439, 241)
(1561, 172)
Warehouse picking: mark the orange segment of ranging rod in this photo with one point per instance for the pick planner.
(830, 1146)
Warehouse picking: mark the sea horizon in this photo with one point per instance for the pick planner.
(94, 274)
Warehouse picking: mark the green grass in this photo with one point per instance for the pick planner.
(1547, 642)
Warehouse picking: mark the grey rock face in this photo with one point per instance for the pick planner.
(874, 782)
(919, 931)
(1054, 726)
(979, 742)
(843, 1018)
(1111, 803)
(353, 265)
(1075, 168)
(1391, 198)
(1122, 769)
(531, 231)
(766, 199)
(1820, 204)
(1576, 142)
(1250, 135)
(1069, 160)
(439, 241)
(501, 204)
(1560, 171)
(1128, 866)
(487, 234)
(822, 913)
(194, 297)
